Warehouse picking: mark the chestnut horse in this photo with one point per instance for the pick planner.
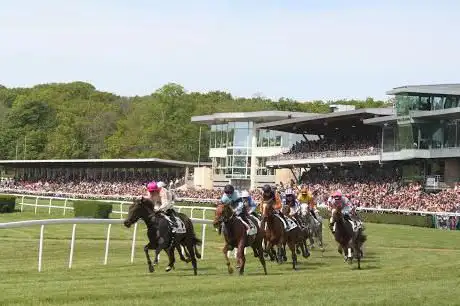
(350, 241)
(236, 236)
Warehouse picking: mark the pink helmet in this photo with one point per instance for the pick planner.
(153, 186)
(337, 194)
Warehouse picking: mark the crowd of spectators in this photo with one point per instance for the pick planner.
(332, 147)
(382, 190)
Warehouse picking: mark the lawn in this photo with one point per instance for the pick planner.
(403, 266)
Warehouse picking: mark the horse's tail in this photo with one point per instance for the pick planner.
(362, 238)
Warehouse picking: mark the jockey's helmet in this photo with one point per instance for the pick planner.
(229, 189)
(289, 192)
(267, 189)
(161, 184)
(245, 194)
(337, 194)
(153, 186)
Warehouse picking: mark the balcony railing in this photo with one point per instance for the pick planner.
(327, 154)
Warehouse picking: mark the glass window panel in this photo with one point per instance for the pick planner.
(239, 161)
(240, 139)
(230, 136)
(438, 103)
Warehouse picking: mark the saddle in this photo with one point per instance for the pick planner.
(177, 227)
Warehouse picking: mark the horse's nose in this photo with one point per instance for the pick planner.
(127, 223)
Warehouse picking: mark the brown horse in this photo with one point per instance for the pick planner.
(350, 241)
(274, 232)
(236, 236)
(160, 234)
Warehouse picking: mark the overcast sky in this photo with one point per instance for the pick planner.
(275, 48)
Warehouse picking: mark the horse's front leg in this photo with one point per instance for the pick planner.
(149, 261)
(157, 256)
(227, 260)
(172, 259)
(241, 258)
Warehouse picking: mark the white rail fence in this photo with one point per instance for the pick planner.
(36, 200)
(76, 221)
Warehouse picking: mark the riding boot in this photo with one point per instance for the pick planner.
(245, 219)
(313, 214)
(284, 218)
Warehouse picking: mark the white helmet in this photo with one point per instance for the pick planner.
(245, 194)
(161, 184)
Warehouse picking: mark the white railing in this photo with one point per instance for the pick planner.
(42, 224)
(406, 211)
(82, 196)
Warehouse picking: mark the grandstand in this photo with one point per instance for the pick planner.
(418, 138)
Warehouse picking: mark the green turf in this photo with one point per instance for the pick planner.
(403, 266)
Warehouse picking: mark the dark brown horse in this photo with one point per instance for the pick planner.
(160, 233)
(350, 241)
(236, 236)
(296, 237)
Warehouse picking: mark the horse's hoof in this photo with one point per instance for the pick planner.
(230, 270)
(151, 269)
(169, 268)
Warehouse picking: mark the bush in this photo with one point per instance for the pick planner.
(389, 218)
(7, 203)
(201, 204)
(92, 209)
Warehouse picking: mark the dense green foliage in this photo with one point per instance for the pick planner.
(390, 218)
(92, 209)
(74, 120)
(7, 203)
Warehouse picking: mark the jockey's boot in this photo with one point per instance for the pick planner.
(172, 216)
(313, 214)
(284, 218)
(349, 219)
(245, 219)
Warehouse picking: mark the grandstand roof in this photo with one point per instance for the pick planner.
(441, 89)
(127, 163)
(262, 116)
(323, 123)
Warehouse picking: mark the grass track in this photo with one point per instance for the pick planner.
(403, 266)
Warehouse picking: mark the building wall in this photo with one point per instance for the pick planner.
(452, 170)
(202, 177)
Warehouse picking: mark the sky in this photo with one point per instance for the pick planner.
(304, 50)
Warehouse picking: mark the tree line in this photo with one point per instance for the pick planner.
(75, 120)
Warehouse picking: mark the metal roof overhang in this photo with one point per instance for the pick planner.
(101, 163)
(262, 116)
(435, 89)
(325, 123)
(448, 113)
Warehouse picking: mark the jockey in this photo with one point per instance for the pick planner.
(305, 197)
(343, 204)
(163, 199)
(293, 204)
(249, 203)
(270, 195)
(233, 198)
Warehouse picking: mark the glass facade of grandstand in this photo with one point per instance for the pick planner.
(236, 138)
(423, 133)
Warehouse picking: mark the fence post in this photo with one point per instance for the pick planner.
(72, 246)
(49, 206)
(121, 210)
(107, 244)
(36, 204)
(40, 247)
(65, 206)
(133, 244)
(22, 203)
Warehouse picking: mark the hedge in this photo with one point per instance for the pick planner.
(390, 218)
(7, 203)
(92, 209)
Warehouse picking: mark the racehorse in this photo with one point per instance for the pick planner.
(297, 235)
(236, 236)
(159, 232)
(349, 241)
(314, 228)
(276, 235)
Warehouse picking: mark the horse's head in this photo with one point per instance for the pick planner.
(267, 208)
(336, 215)
(286, 210)
(140, 209)
(223, 214)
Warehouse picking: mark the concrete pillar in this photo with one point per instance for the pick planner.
(253, 158)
